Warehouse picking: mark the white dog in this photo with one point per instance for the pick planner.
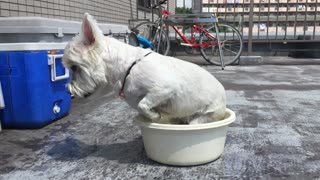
(159, 87)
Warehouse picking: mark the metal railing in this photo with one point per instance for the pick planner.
(270, 21)
(280, 25)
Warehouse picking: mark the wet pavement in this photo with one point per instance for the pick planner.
(276, 134)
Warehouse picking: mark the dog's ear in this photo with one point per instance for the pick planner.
(90, 30)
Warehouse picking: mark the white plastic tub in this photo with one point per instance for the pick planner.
(185, 145)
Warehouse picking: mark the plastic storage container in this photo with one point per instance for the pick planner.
(32, 76)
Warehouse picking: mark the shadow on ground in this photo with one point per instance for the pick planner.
(127, 152)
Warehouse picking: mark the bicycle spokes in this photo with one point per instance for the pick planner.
(230, 47)
(230, 41)
(160, 44)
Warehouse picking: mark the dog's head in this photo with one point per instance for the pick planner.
(83, 56)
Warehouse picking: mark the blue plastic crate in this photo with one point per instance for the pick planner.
(34, 88)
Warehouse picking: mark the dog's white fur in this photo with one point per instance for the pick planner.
(159, 87)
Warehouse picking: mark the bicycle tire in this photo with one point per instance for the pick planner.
(151, 32)
(232, 55)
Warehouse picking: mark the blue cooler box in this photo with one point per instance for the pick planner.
(33, 87)
(34, 81)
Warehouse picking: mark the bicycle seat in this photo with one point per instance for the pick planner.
(144, 42)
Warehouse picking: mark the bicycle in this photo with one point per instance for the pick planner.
(230, 38)
(154, 33)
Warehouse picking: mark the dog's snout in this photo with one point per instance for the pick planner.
(68, 88)
(87, 95)
(73, 68)
(70, 92)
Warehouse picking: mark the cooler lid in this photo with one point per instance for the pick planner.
(31, 46)
(48, 25)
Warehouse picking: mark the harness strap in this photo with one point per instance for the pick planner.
(121, 93)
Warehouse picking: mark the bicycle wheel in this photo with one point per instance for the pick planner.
(161, 42)
(231, 44)
(151, 31)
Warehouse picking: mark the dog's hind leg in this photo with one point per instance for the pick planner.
(209, 117)
(147, 105)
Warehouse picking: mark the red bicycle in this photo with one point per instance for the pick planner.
(230, 38)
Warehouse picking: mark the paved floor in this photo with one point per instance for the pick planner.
(276, 134)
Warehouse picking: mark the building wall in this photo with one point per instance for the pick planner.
(108, 11)
(171, 6)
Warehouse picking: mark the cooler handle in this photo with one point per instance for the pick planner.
(1, 100)
(52, 62)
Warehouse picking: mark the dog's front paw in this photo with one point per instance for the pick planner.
(155, 117)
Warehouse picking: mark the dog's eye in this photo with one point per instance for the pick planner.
(73, 68)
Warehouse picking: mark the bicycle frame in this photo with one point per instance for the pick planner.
(196, 28)
(191, 42)
(213, 41)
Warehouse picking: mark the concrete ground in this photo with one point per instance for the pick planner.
(276, 134)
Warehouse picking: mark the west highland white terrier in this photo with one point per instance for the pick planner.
(158, 87)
